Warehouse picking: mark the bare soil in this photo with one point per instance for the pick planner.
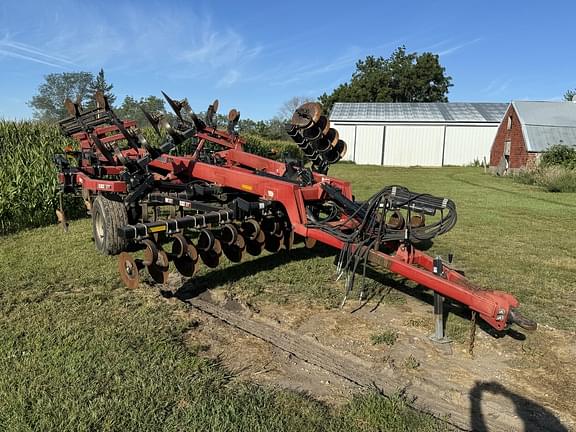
(531, 377)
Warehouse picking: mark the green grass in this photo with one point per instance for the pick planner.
(80, 352)
(387, 337)
(509, 236)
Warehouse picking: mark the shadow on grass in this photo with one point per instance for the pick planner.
(534, 416)
(218, 277)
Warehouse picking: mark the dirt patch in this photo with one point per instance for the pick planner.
(533, 379)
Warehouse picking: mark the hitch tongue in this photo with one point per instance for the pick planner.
(515, 317)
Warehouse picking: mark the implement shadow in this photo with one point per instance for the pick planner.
(197, 285)
(534, 417)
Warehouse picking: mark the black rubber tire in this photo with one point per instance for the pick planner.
(107, 217)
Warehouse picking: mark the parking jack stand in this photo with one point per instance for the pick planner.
(439, 335)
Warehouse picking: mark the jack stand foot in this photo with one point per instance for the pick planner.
(439, 336)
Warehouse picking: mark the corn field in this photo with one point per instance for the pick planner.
(28, 183)
(28, 176)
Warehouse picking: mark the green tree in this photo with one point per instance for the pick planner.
(569, 95)
(48, 104)
(99, 83)
(130, 108)
(403, 77)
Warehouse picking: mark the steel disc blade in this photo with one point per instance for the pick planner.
(233, 115)
(333, 136)
(233, 253)
(179, 246)
(240, 242)
(188, 264)
(158, 271)
(217, 248)
(210, 258)
(151, 252)
(128, 270)
(261, 237)
(273, 243)
(101, 100)
(250, 228)
(307, 114)
(323, 124)
(417, 220)
(186, 267)
(70, 107)
(312, 133)
(396, 221)
(206, 240)
(342, 147)
(254, 248)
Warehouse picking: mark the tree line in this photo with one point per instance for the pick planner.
(402, 77)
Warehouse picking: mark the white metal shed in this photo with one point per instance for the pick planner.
(417, 134)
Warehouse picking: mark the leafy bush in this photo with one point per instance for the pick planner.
(556, 171)
(559, 155)
(553, 178)
(28, 176)
(276, 149)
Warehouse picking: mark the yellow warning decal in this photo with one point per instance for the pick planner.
(157, 229)
(246, 187)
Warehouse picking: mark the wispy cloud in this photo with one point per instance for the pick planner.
(433, 46)
(19, 50)
(176, 41)
(496, 86)
(454, 48)
(300, 73)
(230, 78)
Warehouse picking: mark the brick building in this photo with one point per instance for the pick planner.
(528, 129)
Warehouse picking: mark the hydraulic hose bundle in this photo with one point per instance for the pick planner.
(379, 221)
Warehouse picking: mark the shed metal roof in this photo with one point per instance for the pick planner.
(443, 112)
(546, 123)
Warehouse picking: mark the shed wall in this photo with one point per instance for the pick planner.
(413, 145)
(465, 144)
(416, 144)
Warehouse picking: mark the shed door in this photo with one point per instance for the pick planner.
(414, 145)
(369, 142)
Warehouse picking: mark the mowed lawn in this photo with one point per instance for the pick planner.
(80, 352)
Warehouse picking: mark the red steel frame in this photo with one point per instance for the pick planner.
(237, 172)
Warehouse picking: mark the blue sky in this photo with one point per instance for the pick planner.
(255, 55)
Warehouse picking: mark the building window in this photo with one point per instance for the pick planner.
(509, 122)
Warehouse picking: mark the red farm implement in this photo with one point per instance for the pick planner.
(219, 199)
